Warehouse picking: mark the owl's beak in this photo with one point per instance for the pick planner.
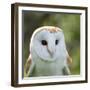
(51, 51)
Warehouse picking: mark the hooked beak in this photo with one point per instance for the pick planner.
(51, 51)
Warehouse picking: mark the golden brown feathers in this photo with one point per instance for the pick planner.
(27, 67)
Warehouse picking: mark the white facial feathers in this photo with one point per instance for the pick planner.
(48, 43)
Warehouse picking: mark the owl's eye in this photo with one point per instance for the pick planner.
(44, 42)
(56, 42)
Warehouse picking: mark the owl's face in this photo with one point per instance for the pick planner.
(48, 43)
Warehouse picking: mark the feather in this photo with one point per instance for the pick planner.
(69, 59)
(66, 71)
(27, 67)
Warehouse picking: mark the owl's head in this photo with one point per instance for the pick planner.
(47, 43)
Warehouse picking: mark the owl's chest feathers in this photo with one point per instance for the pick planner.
(49, 67)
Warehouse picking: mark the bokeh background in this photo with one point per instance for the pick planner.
(69, 23)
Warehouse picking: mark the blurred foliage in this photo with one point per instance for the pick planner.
(69, 23)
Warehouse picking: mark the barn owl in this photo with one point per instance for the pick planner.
(48, 53)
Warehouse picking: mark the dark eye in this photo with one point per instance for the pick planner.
(56, 42)
(44, 42)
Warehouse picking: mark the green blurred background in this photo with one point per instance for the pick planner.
(69, 23)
